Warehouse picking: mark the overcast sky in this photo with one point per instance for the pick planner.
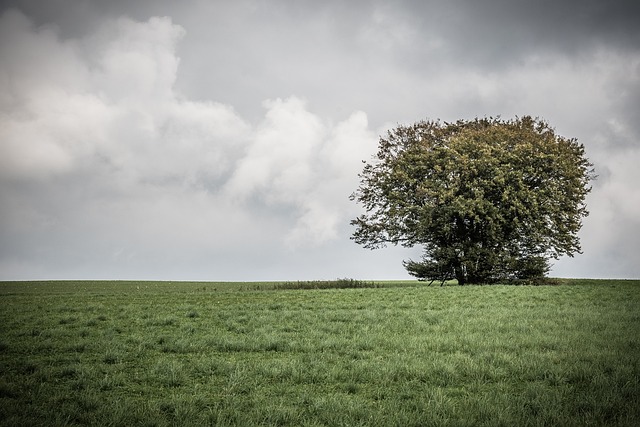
(220, 140)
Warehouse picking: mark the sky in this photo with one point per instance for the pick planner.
(220, 140)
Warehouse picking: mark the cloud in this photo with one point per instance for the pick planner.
(297, 160)
(102, 142)
(610, 236)
(112, 110)
(111, 151)
(278, 162)
(222, 140)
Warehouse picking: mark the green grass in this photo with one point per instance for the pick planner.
(397, 354)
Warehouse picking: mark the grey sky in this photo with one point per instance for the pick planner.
(220, 140)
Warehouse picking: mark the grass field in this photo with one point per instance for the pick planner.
(398, 354)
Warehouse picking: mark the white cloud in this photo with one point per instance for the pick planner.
(122, 158)
(42, 117)
(295, 159)
(112, 110)
(325, 207)
(136, 61)
(277, 164)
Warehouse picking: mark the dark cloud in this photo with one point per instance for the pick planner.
(507, 28)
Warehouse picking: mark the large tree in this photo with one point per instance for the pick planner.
(488, 199)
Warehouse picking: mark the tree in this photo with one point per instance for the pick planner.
(488, 199)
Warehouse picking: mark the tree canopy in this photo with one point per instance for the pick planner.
(487, 199)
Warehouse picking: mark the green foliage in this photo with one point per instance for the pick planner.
(86, 354)
(327, 284)
(489, 200)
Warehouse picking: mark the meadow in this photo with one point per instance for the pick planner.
(389, 354)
